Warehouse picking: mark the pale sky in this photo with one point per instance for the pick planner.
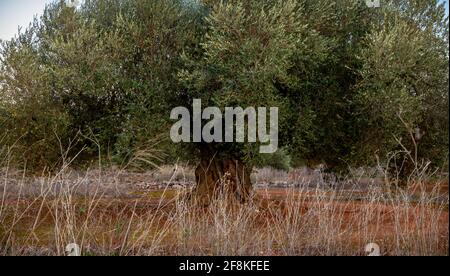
(14, 13)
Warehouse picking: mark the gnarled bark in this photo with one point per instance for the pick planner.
(216, 176)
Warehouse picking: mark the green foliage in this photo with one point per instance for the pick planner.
(104, 70)
(404, 85)
(279, 160)
(248, 44)
(30, 117)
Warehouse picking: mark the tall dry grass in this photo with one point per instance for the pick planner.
(105, 212)
(42, 215)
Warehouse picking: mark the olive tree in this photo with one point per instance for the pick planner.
(350, 82)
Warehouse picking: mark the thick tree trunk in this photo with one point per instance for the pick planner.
(218, 177)
(401, 174)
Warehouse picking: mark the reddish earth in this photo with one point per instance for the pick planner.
(348, 212)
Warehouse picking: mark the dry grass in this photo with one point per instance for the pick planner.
(105, 214)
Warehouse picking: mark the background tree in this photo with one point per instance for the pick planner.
(404, 88)
(108, 67)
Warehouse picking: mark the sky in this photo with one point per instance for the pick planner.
(15, 13)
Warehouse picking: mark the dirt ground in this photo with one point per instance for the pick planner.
(129, 215)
